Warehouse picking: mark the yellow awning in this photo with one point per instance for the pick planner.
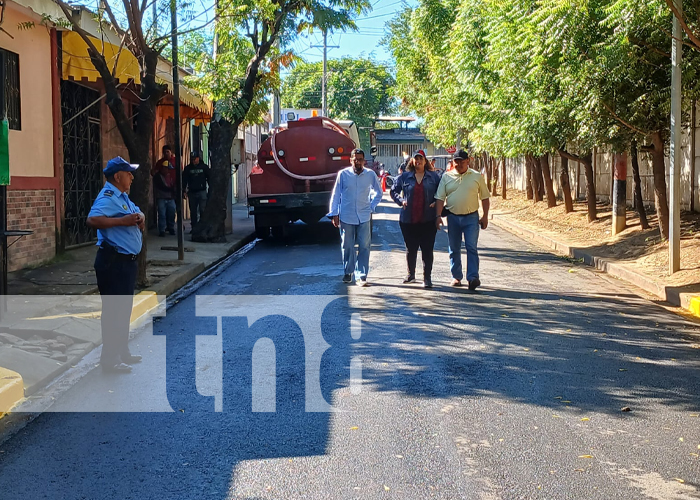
(77, 64)
(189, 97)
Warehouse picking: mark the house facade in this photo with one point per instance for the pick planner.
(62, 131)
(29, 78)
(393, 145)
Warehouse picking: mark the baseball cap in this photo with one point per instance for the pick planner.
(420, 152)
(460, 155)
(119, 164)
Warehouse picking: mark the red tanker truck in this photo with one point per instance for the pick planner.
(295, 172)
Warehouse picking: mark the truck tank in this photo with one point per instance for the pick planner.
(296, 170)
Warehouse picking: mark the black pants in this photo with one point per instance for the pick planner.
(198, 202)
(116, 280)
(420, 235)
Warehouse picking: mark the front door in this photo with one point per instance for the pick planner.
(82, 160)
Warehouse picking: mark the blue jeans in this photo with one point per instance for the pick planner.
(351, 234)
(467, 226)
(166, 215)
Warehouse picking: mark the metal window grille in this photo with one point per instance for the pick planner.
(10, 77)
(82, 160)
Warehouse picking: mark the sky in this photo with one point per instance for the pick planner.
(364, 42)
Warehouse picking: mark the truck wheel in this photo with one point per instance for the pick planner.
(262, 232)
(279, 232)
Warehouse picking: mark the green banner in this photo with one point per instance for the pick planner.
(4, 153)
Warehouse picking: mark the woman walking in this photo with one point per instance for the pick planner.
(414, 191)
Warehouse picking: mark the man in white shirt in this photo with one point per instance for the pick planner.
(356, 194)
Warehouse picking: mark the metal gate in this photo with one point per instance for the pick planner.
(82, 160)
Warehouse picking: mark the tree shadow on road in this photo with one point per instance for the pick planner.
(599, 351)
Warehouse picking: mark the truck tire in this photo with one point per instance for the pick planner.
(262, 232)
(279, 232)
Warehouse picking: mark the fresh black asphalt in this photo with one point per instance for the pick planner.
(513, 391)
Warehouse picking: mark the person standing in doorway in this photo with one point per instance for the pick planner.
(163, 173)
(195, 178)
(414, 191)
(356, 194)
(459, 193)
(120, 226)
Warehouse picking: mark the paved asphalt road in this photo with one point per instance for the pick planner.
(514, 391)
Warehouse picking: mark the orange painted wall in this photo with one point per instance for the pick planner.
(31, 149)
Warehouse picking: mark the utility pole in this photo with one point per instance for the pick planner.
(325, 47)
(177, 145)
(276, 106)
(674, 232)
(324, 108)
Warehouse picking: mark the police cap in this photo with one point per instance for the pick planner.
(118, 164)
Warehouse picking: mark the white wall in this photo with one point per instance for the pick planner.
(603, 165)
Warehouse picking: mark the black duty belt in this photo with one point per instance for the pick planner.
(121, 256)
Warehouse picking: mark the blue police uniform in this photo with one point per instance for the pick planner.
(110, 202)
(116, 268)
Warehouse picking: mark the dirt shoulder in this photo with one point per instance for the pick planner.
(644, 250)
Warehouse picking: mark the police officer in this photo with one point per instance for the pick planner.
(119, 225)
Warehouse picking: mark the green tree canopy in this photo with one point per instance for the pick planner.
(357, 89)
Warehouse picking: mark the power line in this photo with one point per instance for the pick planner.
(375, 17)
(390, 5)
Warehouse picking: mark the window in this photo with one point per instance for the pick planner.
(9, 75)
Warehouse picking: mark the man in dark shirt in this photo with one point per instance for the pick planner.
(194, 186)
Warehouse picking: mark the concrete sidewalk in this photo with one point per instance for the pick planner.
(53, 311)
(686, 297)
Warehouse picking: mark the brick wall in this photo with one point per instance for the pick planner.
(33, 210)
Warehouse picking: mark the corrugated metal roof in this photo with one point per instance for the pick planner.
(400, 138)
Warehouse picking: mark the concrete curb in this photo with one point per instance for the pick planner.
(688, 301)
(12, 390)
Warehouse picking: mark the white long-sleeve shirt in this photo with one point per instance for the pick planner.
(355, 196)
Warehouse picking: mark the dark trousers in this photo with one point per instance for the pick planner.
(420, 235)
(116, 280)
(198, 201)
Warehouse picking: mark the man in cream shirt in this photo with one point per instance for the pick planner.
(459, 193)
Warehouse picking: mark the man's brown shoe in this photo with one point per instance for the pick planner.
(456, 282)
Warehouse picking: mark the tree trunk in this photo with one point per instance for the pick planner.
(537, 189)
(538, 167)
(504, 178)
(587, 161)
(659, 168)
(489, 172)
(566, 185)
(638, 200)
(548, 185)
(494, 175)
(138, 143)
(212, 227)
(528, 177)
